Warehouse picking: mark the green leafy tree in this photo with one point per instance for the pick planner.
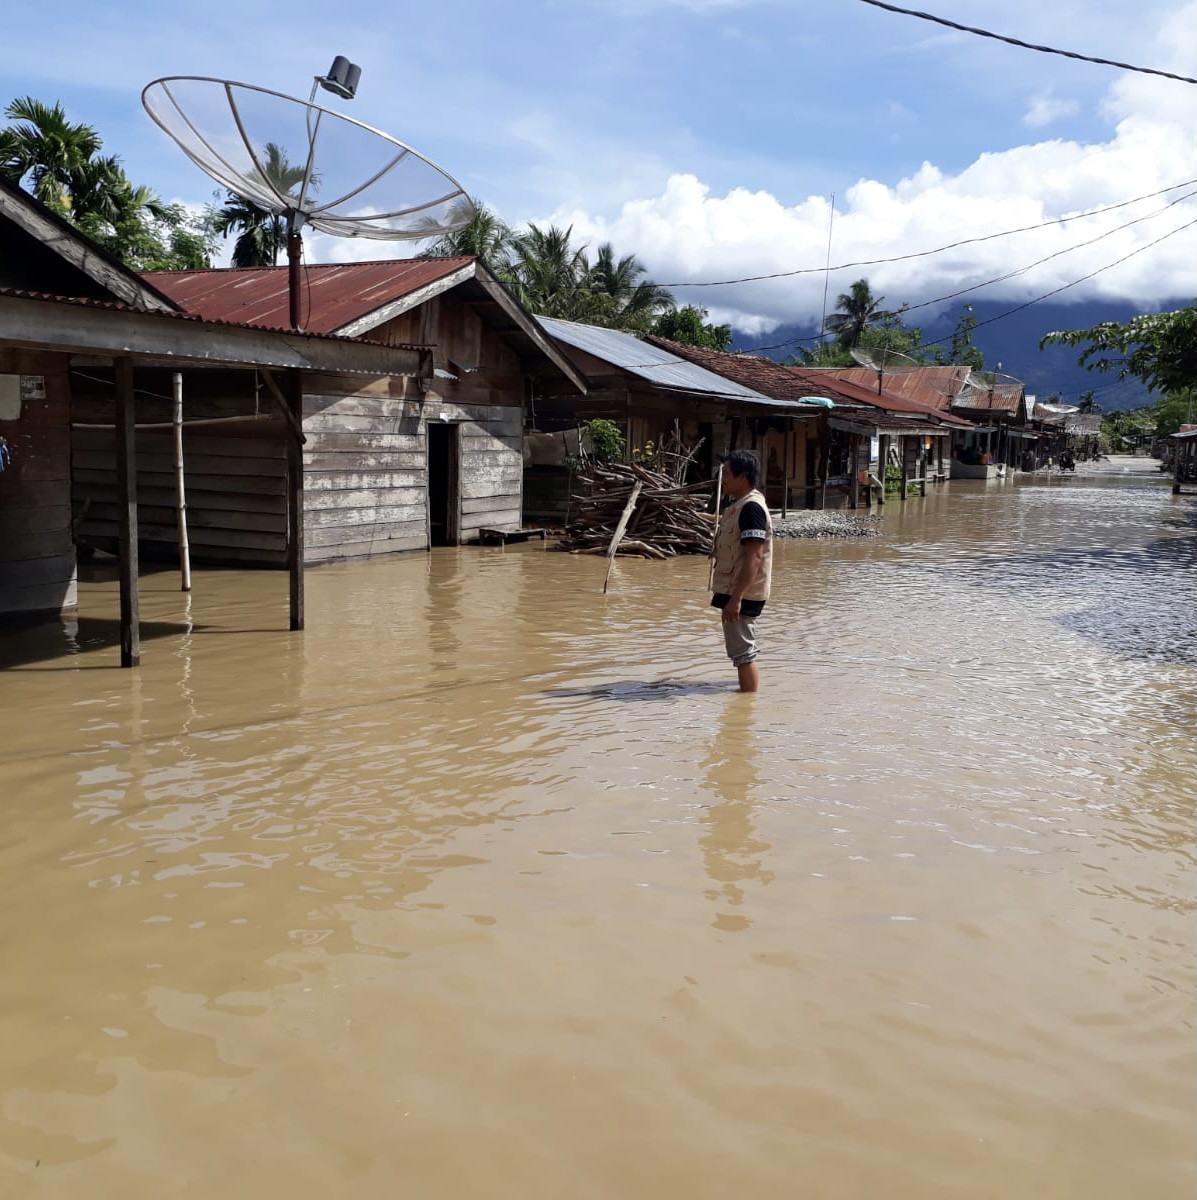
(856, 310)
(46, 149)
(60, 161)
(1159, 348)
(961, 351)
(689, 326)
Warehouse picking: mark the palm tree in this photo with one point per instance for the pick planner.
(261, 233)
(484, 235)
(548, 275)
(621, 300)
(857, 308)
(47, 148)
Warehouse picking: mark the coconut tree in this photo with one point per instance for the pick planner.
(484, 235)
(857, 309)
(549, 275)
(620, 299)
(261, 234)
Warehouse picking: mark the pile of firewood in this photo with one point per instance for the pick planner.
(668, 518)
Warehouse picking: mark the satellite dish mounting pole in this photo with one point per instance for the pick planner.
(294, 270)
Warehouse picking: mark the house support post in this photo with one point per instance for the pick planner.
(126, 483)
(295, 497)
(854, 461)
(904, 454)
(180, 486)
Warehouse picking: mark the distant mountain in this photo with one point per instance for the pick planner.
(1013, 342)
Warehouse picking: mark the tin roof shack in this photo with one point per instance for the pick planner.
(391, 463)
(650, 390)
(104, 315)
(835, 470)
(1184, 459)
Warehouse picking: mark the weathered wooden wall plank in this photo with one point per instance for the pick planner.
(37, 561)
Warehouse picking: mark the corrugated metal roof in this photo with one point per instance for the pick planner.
(789, 384)
(652, 362)
(928, 387)
(334, 294)
(761, 375)
(121, 306)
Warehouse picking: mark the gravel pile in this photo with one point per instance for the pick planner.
(818, 523)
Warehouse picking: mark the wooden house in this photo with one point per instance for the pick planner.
(391, 462)
(70, 313)
(650, 392)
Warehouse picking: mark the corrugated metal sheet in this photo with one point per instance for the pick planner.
(651, 362)
(785, 383)
(928, 387)
(334, 294)
(120, 306)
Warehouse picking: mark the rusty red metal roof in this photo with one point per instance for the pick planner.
(930, 387)
(792, 383)
(172, 315)
(334, 294)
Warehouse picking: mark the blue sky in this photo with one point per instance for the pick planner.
(708, 136)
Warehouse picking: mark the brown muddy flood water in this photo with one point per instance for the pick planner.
(488, 885)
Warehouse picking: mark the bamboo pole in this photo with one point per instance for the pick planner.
(180, 489)
(619, 530)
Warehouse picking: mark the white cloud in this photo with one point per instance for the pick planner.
(1046, 108)
(686, 233)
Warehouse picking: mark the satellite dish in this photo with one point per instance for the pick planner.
(310, 165)
(884, 362)
(990, 381)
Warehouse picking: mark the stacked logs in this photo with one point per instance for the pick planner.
(668, 518)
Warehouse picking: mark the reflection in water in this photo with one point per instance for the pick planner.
(443, 890)
(732, 853)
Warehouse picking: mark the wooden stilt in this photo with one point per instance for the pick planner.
(126, 483)
(180, 488)
(295, 498)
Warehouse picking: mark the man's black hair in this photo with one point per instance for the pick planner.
(746, 464)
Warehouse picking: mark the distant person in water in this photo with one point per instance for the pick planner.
(743, 563)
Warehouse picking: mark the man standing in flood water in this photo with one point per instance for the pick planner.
(743, 557)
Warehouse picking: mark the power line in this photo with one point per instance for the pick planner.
(988, 237)
(1020, 271)
(1012, 41)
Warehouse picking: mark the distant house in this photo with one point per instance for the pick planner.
(1184, 459)
(391, 462)
(833, 469)
(993, 424)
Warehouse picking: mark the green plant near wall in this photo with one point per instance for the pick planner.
(893, 482)
(606, 442)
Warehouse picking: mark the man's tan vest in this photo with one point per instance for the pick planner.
(727, 550)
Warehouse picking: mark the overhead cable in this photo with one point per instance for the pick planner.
(1012, 41)
(988, 237)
